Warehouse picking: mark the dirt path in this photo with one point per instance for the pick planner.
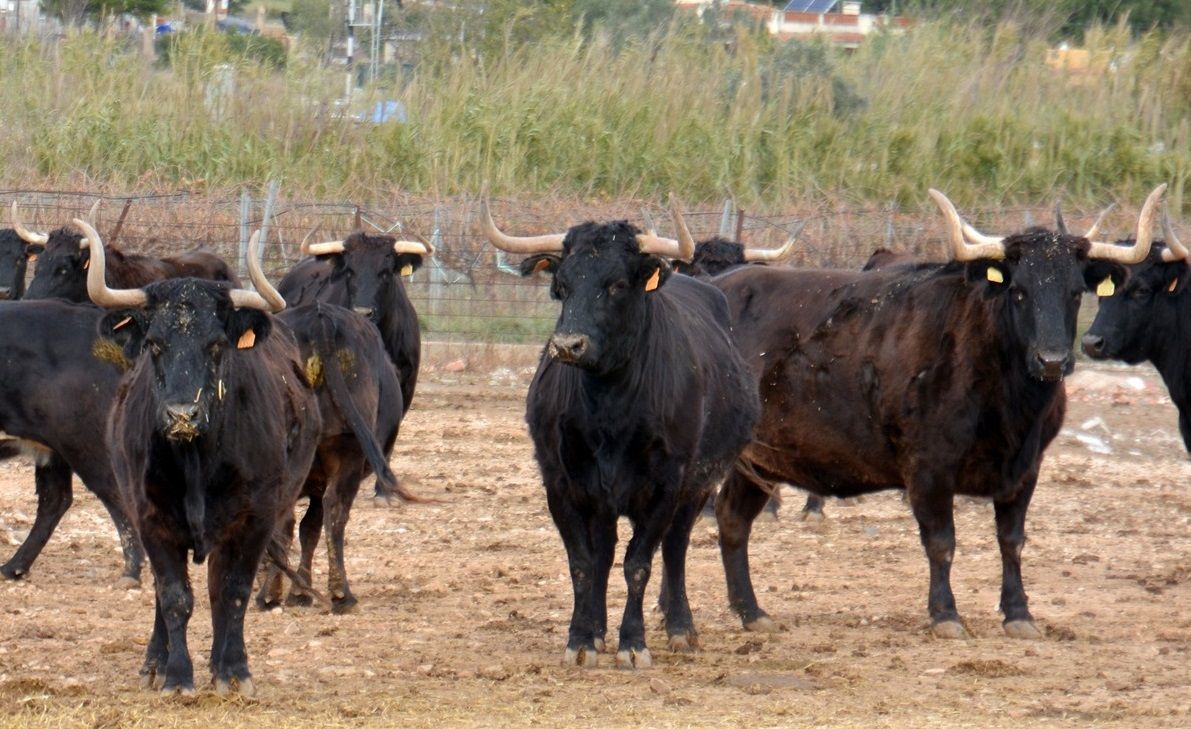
(464, 605)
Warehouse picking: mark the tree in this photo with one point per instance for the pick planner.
(73, 12)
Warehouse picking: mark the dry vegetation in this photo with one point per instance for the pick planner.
(973, 110)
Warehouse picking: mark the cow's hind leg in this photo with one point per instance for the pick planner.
(739, 503)
(574, 528)
(269, 595)
(130, 543)
(229, 583)
(339, 498)
(309, 530)
(680, 625)
(1011, 536)
(54, 496)
(812, 510)
(933, 508)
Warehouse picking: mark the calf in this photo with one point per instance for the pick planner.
(640, 404)
(212, 432)
(940, 379)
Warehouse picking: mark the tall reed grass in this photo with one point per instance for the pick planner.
(972, 110)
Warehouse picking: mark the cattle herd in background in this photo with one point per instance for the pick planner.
(200, 412)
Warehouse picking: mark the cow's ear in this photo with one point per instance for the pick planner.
(995, 274)
(248, 328)
(653, 272)
(1176, 274)
(33, 250)
(1104, 278)
(547, 262)
(125, 327)
(406, 263)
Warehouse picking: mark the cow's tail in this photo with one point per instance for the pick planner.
(341, 396)
(275, 553)
(746, 469)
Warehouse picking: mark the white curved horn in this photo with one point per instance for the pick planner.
(412, 246)
(322, 249)
(1095, 229)
(97, 287)
(775, 254)
(959, 232)
(26, 235)
(265, 298)
(551, 243)
(682, 249)
(1136, 253)
(1175, 251)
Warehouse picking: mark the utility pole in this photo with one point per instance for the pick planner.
(351, 48)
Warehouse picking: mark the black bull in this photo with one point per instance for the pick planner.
(940, 379)
(212, 433)
(639, 405)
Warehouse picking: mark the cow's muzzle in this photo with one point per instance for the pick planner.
(181, 422)
(5, 293)
(1052, 366)
(1093, 346)
(568, 348)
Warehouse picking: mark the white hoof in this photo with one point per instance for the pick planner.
(128, 583)
(1024, 629)
(581, 657)
(600, 645)
(950, 630)
(764, 624)
(630, 659)
(683, 643)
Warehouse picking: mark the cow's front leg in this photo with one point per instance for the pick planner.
(1011, 536)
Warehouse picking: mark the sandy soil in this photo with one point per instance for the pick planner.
(464, 604)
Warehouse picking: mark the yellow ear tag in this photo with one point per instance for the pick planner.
(247, 340)
(122, 322)
(994, 274)
(1106, 287)
(652, 283)
(407, 269)
(1172, 286)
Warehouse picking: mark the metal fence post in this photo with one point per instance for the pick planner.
(245, 203)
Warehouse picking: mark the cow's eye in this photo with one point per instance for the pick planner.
(618, 287)
(1018, 296)
(1141, 292)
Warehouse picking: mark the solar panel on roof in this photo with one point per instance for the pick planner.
(810, 6)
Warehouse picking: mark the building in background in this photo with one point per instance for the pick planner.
(840, 22)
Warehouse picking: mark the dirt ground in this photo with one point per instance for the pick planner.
(464, 604)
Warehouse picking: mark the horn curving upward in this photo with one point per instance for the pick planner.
(1175, 251)
(97, 287)
(1136, 253)
(25, 234)
(265, 298)
(960, 233)
(775, 254)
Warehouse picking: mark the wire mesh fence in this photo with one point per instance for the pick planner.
(469, 296)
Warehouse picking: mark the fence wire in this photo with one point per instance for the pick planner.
(469, 295)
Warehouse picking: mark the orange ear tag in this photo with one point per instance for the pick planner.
(407, 269)
(247, 340)
(1172, 286)
(122, 322)
(1106, 288)
(541, 265)
(652, 283)
(33, 258)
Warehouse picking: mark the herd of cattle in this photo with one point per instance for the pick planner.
(200, 412)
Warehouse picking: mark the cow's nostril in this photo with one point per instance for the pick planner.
(1092, 344)
(183, 413)
(568, 347)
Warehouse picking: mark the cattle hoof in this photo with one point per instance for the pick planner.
(298, 599)
(12, 573)
(764, 624)
(950, 630)
(381, 501)
(265, 604)
(344, 606)
(147, 681)
(633, 659)
(581, 657)
(599, 645)
(128, 583)
(683, 643)
(223, 687)
(813, 516)
(183, 691)
(1024, 629)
